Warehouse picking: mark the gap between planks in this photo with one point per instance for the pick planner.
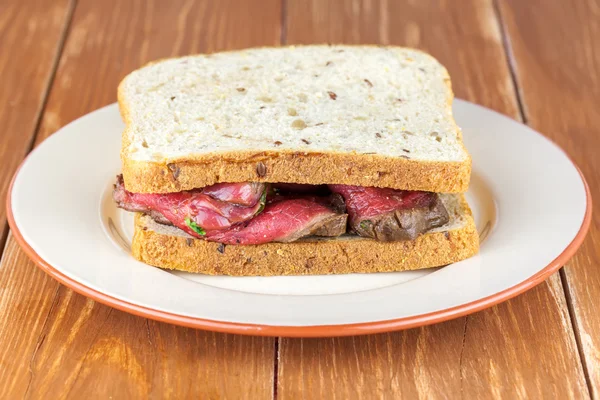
(42, 106)
(38, 120)
(514, 74)
(282, 41)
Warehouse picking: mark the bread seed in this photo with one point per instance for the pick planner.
(277, 143)
(328, 63)
(189, 242)
(298, 124)
(266, 99)
(145, 144)
(406, 151)
(403, 156)
(241, 89)
(378, 134)
(221, 248)
(174, 170)
(332, 95)
(369, 83)
(261, 169)
(172, 97)
(305, 141)
(292, 112)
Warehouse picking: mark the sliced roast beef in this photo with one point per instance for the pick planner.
(388, 214)
(193, 211)
(285, 220)
(241, 213)
(243, 194)
(226, 220)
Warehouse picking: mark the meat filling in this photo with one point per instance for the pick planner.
(239, 213)
(390, 215)
(285, 220)
(199, 210)
(257, 213)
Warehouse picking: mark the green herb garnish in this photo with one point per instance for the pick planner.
(263, 201)
(364, 224)
(195, 227)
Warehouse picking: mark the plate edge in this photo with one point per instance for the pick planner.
(361, 328)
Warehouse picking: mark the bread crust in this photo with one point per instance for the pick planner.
(291, 167)
(296, 167)
(311, 257)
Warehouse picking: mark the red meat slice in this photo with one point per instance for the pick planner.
(243, 194)
(389, 214)
(183, 208)
(285, 220)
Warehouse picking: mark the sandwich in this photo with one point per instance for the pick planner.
(294, 161)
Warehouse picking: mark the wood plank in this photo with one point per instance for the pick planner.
(55, 343)
(557, 64)
(523, 348)
(30, 30)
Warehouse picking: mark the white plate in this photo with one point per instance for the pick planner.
(531, 206)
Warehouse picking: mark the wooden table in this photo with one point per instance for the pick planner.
(537, 61)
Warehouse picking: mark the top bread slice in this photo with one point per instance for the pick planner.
(359, 115)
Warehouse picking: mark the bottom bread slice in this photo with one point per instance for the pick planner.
(171, 248)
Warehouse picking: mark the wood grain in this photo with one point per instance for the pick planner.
(57, 344)
(524, 348)
(71, 346)
(31, 33)
(556, 57)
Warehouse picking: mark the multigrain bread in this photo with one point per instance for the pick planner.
(358, 115)
(171, 248)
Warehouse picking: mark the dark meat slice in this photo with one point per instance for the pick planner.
(243, 194)
(388, 214)
(192, 211)
(285, 220)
